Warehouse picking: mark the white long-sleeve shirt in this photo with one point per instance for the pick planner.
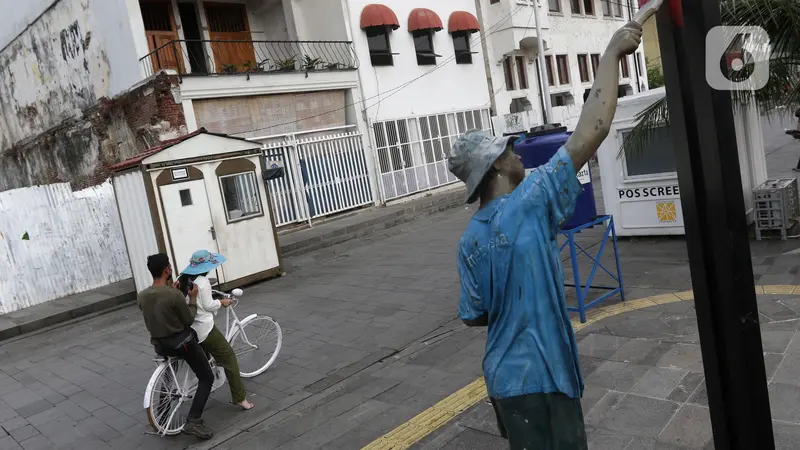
(207, 308)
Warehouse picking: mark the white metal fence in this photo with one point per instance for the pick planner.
(322, 176)
(412, 152)
(55, 243)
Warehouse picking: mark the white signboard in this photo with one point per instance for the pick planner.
(179, 174)
(583, 175)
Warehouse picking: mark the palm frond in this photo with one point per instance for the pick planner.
(647, 121)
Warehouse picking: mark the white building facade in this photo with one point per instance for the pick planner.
(574, 34)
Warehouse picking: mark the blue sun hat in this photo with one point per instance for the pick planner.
(203, 261)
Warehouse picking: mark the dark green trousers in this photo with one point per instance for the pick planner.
(541, 421)
(217, 346)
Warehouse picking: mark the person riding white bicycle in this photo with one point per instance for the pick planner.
(210, 337)
(168, 318)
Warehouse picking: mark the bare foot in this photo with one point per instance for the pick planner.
(245, 405)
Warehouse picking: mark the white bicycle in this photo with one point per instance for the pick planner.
(173, 384)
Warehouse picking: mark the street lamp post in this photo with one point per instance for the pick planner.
(701, 121)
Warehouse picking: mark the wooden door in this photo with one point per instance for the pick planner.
(228, 22)
(160, 29)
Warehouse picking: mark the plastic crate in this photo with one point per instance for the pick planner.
(776, 205)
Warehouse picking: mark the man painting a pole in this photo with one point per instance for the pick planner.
(531, 364)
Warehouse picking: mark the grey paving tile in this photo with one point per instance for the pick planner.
(787, 436)
(783, 401)
(771, 363)
(776, 341)
(683, 356)
(37, 443)
(659, 382)
(634, 350)
(34, 408)
(13, 423)
(600, 439)
(616, 376)
(87, 401)
(75, 412)
(606, 404)
(589, 364)
(476, 440)
(691, 427)
(26, 432)
(700, 395)
(600, 345)
(8, 443)
(45, 416)
(591, 396)
(686, 387)
(788, 370)
(639, 416)
(480, 417)
(442, 437)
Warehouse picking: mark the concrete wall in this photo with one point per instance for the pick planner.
(319, 20)
(432, 89)
(271, 114)
(74, 53)
(78, 150)
(74, 243)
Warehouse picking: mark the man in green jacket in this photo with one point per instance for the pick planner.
(168, 317)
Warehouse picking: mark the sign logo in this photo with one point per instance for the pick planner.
(667, 212)
(737, 58)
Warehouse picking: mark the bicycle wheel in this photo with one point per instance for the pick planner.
(256, 344)
(170, 397)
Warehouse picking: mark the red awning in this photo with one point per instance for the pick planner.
(424, 19)
(462, 21)
(377, 15)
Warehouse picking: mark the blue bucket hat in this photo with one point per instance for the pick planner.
(203, 261)
(472, 155)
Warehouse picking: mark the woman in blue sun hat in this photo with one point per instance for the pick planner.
(210, 337)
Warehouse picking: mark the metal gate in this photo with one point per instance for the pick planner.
(412, 152)
(322, 175)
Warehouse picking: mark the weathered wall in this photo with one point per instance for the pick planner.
(79, 149)
(271, 114)
(64, 56)
(55, 242)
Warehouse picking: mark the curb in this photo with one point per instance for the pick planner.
(29, 320)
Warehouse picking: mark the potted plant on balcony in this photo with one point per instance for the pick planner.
(333, 66)
(229, 68)
(310, 63)
(286, 65)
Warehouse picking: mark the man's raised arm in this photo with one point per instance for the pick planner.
(598, 111)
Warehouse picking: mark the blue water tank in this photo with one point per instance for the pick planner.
(537, 147)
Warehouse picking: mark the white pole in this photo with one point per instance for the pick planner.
(545, 89)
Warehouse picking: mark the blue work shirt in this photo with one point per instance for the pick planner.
(510, 267)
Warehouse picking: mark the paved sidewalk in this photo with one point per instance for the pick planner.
(645, 386)
(358, 227)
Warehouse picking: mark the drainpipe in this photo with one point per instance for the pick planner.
(547, 114)
(486, 63)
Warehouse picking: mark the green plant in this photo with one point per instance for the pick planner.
(655, 79)
(228, 68)
(310, 63)
(781, 20)
(332, 66)
(286, 65)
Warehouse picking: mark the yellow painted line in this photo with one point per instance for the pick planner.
(433, 418)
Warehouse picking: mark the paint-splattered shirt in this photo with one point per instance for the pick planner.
(510, 268)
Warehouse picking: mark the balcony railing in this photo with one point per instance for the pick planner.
(206, 57)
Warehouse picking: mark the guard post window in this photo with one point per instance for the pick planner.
(508, 71)
(240, 196)
(583, 68)
(380, 49)
(462, 47)
(626, 71)
(522, 72)
(555, 5)
(563, 69)
(423, 44)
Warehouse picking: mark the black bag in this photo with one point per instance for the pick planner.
(177, 341)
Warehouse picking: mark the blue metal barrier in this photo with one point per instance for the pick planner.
(582, 290)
